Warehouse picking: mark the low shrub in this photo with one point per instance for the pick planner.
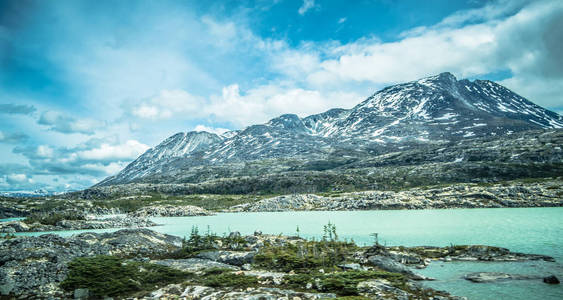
(113, 276)
(304, 256)
(229, 280)
(340, 283)
(53, 218)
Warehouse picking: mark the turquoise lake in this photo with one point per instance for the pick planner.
(529, 230)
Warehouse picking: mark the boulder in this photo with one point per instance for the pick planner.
(193, 264)
(390, 265)
(378, 286)
(236, 258)
(262, 293)
(551, 279)
(351, 266)
(484, 277)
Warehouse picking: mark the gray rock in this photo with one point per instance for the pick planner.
(352, 266)
(193, 264)
(551, 279)
(390, 265)
(262, 293)
(102, 223)
(375, 287)
(483, 277)
(38, 272)
(171, 211)
(236, 258)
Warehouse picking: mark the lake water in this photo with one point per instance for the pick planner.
(530, 230)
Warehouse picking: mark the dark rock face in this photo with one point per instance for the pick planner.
(431, 111)
(551, 279)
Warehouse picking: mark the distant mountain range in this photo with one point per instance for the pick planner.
(430, 112)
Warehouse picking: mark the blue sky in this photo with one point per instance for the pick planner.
(87, 86)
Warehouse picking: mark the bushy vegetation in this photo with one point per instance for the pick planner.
(229, 279)
(197, 242)
(340, 283)
(113, 276)
(312, 266)
(306, 256)
(53, 218)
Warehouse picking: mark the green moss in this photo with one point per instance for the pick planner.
(113, 276)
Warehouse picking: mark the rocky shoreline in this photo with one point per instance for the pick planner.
(171, 211)
(98, 223)
(231, 267)
(540, 194)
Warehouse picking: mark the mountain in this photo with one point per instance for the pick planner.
(179, 145)
(437, 110)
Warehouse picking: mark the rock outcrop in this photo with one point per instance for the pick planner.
(516, 194)
(102, 223)
(36, 265)
(484, 277)
(171, 211)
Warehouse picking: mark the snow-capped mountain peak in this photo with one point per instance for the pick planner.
(435, 109)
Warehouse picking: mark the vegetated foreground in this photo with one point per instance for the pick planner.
(145, 264)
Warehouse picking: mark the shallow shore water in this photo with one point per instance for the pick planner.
(528, 230)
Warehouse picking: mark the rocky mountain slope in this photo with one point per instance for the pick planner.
(436, 111)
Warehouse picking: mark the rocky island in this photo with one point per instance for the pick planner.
(141, 263)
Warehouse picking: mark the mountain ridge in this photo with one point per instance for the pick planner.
(433, 110)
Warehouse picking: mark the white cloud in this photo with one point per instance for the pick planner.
(64, 123)
(93, 158)
(17, 178)
(527, 43)
(306, 6)
(146, 111)
(217, 131)
(260, 104)
(44, 151)
(123, 152)
(169, 103)
(342, 20)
